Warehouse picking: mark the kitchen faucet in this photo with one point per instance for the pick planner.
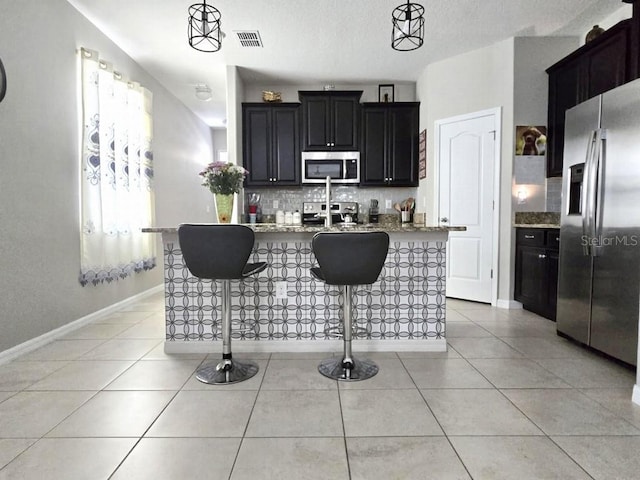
(327, 212)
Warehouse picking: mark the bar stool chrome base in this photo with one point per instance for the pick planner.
(337, 369)
(347, 259)
(226, 372)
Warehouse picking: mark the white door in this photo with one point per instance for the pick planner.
(467, 159)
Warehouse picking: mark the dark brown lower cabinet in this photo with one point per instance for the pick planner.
(536, 279)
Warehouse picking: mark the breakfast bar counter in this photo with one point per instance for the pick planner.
(285, 309)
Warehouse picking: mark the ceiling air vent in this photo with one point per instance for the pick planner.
(249, 38)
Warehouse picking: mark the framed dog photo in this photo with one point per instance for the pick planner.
(531, 141)
(385, 93)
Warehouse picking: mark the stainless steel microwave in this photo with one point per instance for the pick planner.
(342, 167)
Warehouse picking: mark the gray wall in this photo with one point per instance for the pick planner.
(403, 91)
(511, 75)
(472, 82)
(219, 140)
(532, 56)
(39, 162)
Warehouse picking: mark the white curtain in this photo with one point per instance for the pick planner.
(116, 174)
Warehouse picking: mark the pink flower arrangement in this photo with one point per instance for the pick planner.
(223, 178)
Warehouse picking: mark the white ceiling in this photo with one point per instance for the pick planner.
(315, 42)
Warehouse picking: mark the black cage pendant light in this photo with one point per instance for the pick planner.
(204, 27)
(408, 27)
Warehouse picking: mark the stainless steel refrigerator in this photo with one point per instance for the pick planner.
(599, 269)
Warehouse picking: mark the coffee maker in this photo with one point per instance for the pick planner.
(373, 211)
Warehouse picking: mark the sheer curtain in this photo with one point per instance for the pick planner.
(116, 174)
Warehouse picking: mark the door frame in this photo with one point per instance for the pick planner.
(495, 230)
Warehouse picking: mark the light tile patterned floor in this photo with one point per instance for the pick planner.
(509, 400)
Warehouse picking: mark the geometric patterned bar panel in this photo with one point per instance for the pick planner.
(406, 303)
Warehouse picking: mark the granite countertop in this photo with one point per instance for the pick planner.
(367, 227)
(537, 220)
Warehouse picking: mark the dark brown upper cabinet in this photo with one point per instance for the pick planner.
(389, 146)
(271, 144)
(330, 120)
(598, 66)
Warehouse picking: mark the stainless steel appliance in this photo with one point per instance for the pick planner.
(342, 167)
(599, 269)
(373, 211)
(341, 212)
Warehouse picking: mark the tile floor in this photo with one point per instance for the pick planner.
(509, 400)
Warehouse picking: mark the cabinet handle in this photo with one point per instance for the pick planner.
(542, 255)
(529, 237)
(328, 144)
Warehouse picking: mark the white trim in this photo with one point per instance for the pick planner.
(509, 304)
(635, 398)
(271, 346)
(45, 338)
(497, 170)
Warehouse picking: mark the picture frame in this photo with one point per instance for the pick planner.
(422, 155)
(531, 140)
(386, 93)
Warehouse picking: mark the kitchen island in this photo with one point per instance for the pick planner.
(285, 309)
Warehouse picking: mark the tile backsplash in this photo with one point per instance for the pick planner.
(554, 194)
(290, 199)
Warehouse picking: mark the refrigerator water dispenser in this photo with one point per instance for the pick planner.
(576, 173)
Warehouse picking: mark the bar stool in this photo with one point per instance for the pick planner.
(220, 252)
(347, 259)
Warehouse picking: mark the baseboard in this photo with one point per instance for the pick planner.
(509, 304)
(436, 345)
(37, 342)
(635, 398)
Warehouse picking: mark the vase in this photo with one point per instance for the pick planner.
(224, 207)
(595, 32)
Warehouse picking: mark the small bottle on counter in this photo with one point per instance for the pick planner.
(288, 218)
(279, 217)
(297, 218)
